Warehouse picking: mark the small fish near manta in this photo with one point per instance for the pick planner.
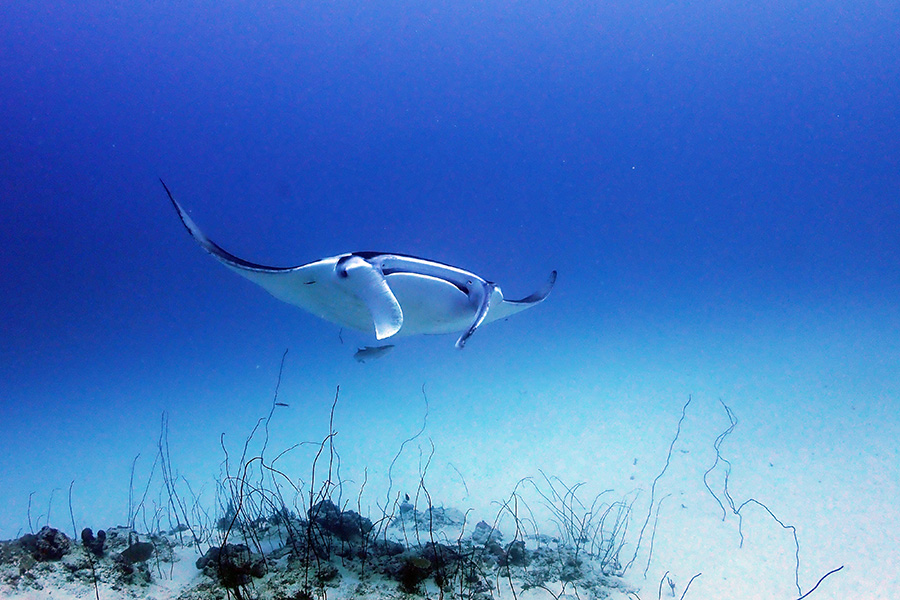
(372, 352)
(393, 295)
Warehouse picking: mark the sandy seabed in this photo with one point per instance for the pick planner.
(689, 533)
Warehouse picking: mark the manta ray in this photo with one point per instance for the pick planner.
(392, 295)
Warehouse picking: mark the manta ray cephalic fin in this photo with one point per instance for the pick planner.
(487, 290)
(368, 284)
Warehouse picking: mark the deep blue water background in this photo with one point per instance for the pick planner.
(717, 184)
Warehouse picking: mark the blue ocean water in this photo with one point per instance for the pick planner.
(716, 183)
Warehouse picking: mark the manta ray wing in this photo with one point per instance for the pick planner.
(337, 289)
(502, 308)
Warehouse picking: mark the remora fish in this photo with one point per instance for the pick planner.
(372, 352)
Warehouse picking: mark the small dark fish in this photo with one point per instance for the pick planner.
(281, 404)
(372, 352)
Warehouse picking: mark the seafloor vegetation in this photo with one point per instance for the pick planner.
(272, 539)
(331, 552)
(281, 536)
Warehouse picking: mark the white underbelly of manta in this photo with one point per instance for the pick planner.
(430, 305)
